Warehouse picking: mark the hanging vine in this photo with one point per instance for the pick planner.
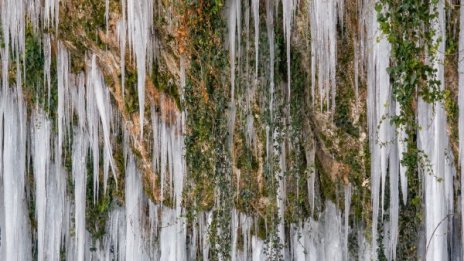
(408, 27)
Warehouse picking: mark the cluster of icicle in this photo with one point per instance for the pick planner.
(372, 58)
(86, 123)
(323, 18)
(139, 230)
(387, 146)
(143, 230)
(327, 237)
(29, 143)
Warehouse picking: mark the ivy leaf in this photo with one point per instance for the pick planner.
(412, 81)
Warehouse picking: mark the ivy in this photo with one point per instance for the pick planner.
(409, 27)
(206, 104)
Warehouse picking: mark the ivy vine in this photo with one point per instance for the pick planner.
(408, 26)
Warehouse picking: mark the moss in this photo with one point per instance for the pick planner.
(97, 211)
(207, 156)
(165, 83)
(327, 186)
(81, 28)
(248, 166)
(35, 87)
(204, 95)
(131, 101)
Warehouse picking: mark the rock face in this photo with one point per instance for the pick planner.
(231, 130)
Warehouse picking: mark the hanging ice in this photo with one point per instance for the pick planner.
(255, 8)
(51, 12)
(80, 181)
(63, 86)
(323, 19)
(384, 153)
(41, 159)
(433, 141)
(15, 232)
(288, 9)
(103, 105)
(134, 244)
(47, 65)
(139, 25)
(461, 108)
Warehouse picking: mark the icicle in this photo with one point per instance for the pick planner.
(13, 15)
(164, 155)
(255, 8)
(271, 39)
(156, 142)
(55, 219)
(168, 147)
(47, 49)
(134, 250)
(346, 216)
(41, 159)
(288, 7)
(461, 110)
(63, 81)
(80, 177)
(51, 12)
(270, 36)
(34, 13)
(257, 246)
(401, 144)
(332, 231)
(204, 222)
(310, 154)
(281, 197)
(232, 28)
(103, 106)
(246, 223)
(92, 127)
(115, 243)
(356, 75)
(139, 24)
(323, 20)
(378, 110)
(121, 31)
(172, 242)
(392, 226)
(432, 140)
(107, 14)
(234, 228)
(16, 241)
(297, 242)
(177, 174)
(364, 249)
(320, 240)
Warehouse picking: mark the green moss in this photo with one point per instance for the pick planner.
(207, 156)
(165, 83)
(97, 211)
(81, 28)
(131, 101)
(35, 85)
(327, 186)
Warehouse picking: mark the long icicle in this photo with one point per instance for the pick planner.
(139, 24)
(461, 109)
